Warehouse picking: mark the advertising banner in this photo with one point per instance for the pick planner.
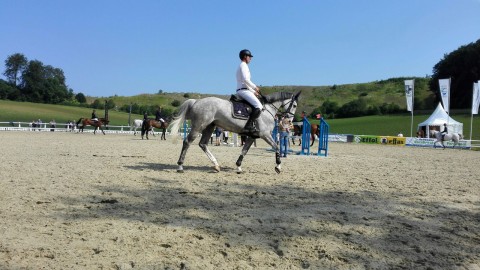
(388, 140)
(445, 93)
(409, 84)
(476, 98)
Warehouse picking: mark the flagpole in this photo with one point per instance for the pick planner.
(471, 126)
(413, 106)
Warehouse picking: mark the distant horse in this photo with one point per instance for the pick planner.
(89, 122)
(297, 131)
(137, 123)
(149, 124)
(455, 137)
(206, 113)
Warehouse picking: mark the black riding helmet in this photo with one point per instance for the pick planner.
(244, 53)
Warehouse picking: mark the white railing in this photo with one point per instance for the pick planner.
(475, 143)
(27, 126)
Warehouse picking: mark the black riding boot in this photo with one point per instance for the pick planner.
(250, 126)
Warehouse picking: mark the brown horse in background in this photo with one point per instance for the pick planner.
(149, 124)
(420, 133)
(297, 131)
(89, 122)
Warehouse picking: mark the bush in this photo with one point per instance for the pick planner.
(80, 97)
(176, 103)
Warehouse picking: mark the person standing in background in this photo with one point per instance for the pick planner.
(285, 125)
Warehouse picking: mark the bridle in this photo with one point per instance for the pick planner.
(287, 112)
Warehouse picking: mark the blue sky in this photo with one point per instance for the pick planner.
(126, 48)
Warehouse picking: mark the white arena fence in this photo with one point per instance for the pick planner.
(44, 127)
(63, 127)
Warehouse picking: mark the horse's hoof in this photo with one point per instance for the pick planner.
(239, 170)
(216, 168)
(277, 170)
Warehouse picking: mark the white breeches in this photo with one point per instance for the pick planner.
(250, 98)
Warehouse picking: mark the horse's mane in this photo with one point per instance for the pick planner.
(277, 96)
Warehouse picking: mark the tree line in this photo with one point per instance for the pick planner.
(34, 81)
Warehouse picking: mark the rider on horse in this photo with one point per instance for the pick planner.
(94, 116)
(158, 115)
(248, 91)
(445, 131)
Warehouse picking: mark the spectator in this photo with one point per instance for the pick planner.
(285, 126)
(53, 125)
(39, 124)
(218, 132)
(225, 136)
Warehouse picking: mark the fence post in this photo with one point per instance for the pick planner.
(323, 138)
(306, 133)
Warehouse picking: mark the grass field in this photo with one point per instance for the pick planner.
(26, 112)
(11, 111)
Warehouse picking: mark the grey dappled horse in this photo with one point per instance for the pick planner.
(455, 137)
(209, 112)
(137, 123)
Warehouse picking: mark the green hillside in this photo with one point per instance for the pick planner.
(375, 93)
(11, 111)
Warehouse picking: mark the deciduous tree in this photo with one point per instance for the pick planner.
(15, 64)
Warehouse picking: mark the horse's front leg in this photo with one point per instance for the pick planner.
(248, 143)
(272, 143)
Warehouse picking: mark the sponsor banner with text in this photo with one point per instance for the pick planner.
(388, 140)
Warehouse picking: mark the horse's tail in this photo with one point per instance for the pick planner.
(79, 120)
(181, 117)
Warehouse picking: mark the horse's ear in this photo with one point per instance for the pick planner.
(297, 95)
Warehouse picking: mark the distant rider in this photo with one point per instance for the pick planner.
(445, 131)
(94, 116)
(158, 115)
(248, 91)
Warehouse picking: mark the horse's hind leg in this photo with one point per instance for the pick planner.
(102, 130)
(206, 134)
(186, 144)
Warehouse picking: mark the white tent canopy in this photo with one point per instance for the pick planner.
(436, 121)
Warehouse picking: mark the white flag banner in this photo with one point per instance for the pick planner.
(409, 84)
(476, 98)
(445, 93)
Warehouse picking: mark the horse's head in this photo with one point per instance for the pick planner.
(289, 105)
(283, 101)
